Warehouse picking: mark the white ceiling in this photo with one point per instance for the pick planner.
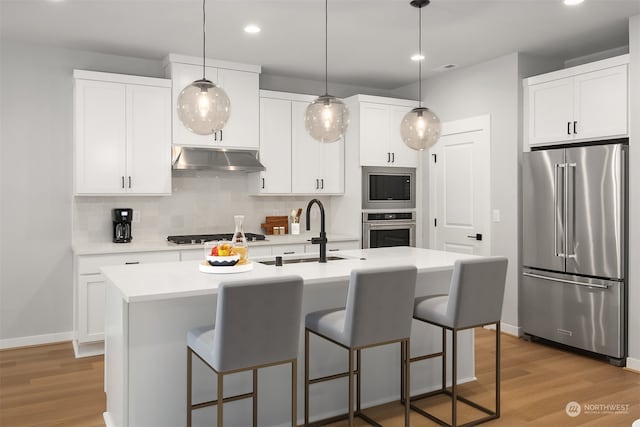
(370, 41)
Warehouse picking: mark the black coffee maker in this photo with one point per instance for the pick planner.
(122, 225)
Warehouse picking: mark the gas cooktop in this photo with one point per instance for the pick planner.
(196, 239)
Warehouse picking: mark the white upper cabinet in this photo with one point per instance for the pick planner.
(122, 134)
(380, 141)
(240, 82)
(316, 167)
(583, 103)
(295, 163)
(275, 146)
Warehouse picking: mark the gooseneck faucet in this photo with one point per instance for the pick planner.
(322, 240)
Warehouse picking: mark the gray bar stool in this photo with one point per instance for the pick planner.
(475, 299)
(257, 325)
(378, 312)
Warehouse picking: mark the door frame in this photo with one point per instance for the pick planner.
(481, 124)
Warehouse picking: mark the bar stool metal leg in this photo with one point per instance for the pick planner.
(306, 377)
(189, 396)
(255, 398)
(497, 369)
(350, 387)
(407, 381)
(294, 392)
(454, 378)
(359, 384)
(220, 399)
(444, 359)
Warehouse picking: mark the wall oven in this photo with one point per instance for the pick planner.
(381, 230)
(388, 188)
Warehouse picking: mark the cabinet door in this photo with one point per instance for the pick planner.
(242, 129)
(305, 153)
(100, 136)
(401, 155)
(551, 111)
(183, 75)
(275, 146)
(148, 140)
(91, 290)
(374, 134)
(601, 103)
(331, 167)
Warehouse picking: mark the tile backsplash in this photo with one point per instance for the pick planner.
(202, 202)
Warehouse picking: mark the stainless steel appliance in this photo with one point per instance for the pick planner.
(122, 225)
(381, 230)
(573, 289)
(388, 188)
(196, 239)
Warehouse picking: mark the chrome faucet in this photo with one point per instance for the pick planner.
(322, 240)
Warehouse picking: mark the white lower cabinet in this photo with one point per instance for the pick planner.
(90, 292)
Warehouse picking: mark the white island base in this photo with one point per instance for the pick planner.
(149, 309)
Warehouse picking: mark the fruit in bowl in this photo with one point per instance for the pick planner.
(222, 255)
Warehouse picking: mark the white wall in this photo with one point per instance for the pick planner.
(37, 210)
(634, 196)
(314, 87)
(35, 246)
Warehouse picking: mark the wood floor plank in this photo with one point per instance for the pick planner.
(46, 386)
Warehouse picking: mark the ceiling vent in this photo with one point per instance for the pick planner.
(445, 67)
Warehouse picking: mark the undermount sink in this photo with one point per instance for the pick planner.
(299, 260)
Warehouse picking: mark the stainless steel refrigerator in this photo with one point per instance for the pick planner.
(573, 288)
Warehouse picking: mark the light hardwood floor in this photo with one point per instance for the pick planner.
(47, 386)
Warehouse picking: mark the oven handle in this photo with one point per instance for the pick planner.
(389, 223)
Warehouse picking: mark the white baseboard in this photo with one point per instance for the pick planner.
(88, 349)
(633, 364)
(107, 419)
(35, 340)
(516, 331)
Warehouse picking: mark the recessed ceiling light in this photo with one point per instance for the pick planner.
(417, 57)
(252, 29)
(572, 2)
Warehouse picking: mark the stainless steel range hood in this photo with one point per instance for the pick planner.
(220, 159)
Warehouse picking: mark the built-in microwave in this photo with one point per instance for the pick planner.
(388, 187)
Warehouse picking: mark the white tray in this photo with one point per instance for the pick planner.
(205, 267)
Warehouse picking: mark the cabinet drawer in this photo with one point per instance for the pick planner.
(90, 264)
(287, 249)
(334, 246)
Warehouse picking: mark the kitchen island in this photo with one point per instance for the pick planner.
(150, 307)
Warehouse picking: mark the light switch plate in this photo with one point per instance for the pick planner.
(136, 217)
(495, 215)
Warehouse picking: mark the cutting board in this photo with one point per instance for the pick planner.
(275, 221)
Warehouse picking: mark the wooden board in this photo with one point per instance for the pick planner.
(275, 221)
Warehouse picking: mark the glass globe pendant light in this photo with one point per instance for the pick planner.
(326, 118)
(420, 128)
(203, 107)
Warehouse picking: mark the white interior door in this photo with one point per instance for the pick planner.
(459, 187)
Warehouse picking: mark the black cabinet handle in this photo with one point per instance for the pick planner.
(476, 236)
(317, 183)
(322, 183)
(132, 262)
(129, 181)
(568, 128)
(388, 157)
(574, 127)
(393, 157)
(220, 134)
(122, 181)
(289, 253)
(263, 183)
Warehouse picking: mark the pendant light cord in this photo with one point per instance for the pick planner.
(421, 57)
(204, 36)
(326, 49)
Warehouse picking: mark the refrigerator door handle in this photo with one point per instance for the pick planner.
(556, 207)
(568, 282)
(570, 210)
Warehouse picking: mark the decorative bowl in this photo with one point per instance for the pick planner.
(223, 261)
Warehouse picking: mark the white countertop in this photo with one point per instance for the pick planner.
(97, 248)
(151, 282)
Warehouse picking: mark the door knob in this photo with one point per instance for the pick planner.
(476, 236)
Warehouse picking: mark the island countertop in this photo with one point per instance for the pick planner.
(153, 282)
